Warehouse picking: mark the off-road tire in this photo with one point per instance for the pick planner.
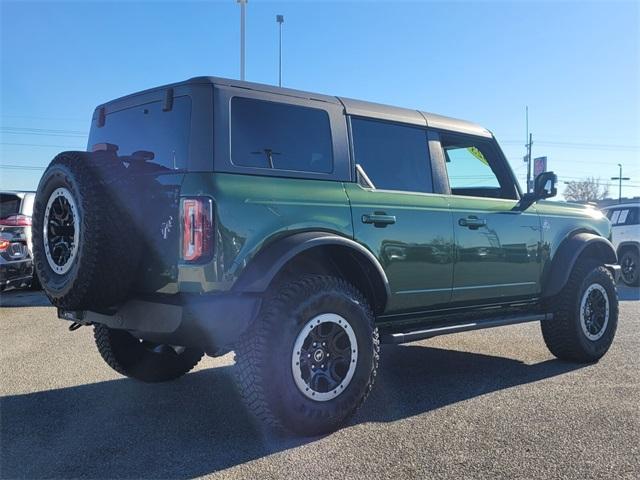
(264, 355)
(130, 357)
(563, 334)
(631, 254)
(105, 264)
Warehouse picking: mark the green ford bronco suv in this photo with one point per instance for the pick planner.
(301, 231)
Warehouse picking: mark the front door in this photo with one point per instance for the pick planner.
(397, 215)
(496, 245)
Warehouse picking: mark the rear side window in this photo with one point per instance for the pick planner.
(280, 136)
(146, 128)
(394, 157)
(9, 205)
(625, 216)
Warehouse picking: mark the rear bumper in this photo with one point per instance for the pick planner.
(211, 322)
(15, 273)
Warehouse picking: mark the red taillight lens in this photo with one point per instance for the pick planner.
(4, 245)
(16, 221)
(197, 229)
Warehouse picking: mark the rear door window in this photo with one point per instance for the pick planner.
(280, 136)
(393, 156)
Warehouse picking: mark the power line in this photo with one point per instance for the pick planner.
(593, 146)
(44, 130)
(30, 117)
(38, 145)
(21, 167)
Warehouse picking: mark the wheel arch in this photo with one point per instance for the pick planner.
(574, 247)
(628, 244)
(317, 252)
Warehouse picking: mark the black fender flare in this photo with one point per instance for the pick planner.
(556, 277)
(629, 243)
(268, 262)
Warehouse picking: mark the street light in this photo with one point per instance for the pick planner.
(620, 178)
(243, 4)
(280, 20)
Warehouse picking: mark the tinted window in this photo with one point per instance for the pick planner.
(9, 205)
(394, 157)
(625, 216)
(279, 136)
(147, 128)
(474, 168)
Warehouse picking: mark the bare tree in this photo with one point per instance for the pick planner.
(587, 190)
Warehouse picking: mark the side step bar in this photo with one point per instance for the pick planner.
(444, 329)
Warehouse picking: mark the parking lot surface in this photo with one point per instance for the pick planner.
(486, 404)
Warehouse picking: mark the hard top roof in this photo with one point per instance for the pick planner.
(626, 204)
(351, 106)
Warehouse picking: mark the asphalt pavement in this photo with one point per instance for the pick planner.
(486, 404)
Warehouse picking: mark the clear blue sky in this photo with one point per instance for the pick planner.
(576, 64)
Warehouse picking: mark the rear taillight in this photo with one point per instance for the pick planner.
(197, 229)
(16, 221)
(4, 245)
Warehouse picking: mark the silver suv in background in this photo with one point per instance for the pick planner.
(625, 231)
(16, 258)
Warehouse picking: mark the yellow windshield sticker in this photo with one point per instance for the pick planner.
(478, 154)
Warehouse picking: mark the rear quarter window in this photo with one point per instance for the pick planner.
(147, 128)
(279, 136)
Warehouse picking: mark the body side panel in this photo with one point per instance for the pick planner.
(560, 221)
(416, 251)
(500, 259)
(251, 212)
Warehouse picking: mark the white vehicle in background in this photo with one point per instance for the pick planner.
(625, 222)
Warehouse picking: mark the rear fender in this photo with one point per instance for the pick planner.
(265, 266)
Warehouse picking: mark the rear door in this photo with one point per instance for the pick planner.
(497, 246)
(397, 214)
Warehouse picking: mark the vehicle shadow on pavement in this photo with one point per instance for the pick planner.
(24, 298)
(626, 293)
(197, 425)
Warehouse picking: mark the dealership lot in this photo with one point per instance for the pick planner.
(492, 403)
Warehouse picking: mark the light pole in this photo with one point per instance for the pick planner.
(280, 20)
(243, 5)
(620, 178)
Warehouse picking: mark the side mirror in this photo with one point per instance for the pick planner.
(545, 185)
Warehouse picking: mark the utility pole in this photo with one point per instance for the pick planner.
(280, 20)
(620, 178)
(243, 5)
(528, 145)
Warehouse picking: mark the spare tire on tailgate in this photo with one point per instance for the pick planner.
(86, 254)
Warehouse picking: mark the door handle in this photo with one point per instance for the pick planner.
(379, 220)
(472, 222)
